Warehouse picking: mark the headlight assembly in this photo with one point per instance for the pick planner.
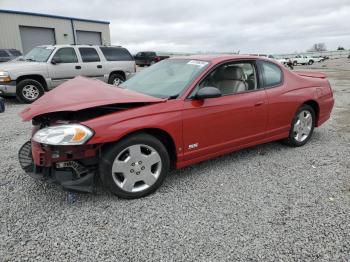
(4, 76)
(71, 134)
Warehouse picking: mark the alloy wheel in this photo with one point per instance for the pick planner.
(302, 126)
(136, 168)
(30, 92)
(117, 81)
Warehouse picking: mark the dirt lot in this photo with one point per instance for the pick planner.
(266, 203)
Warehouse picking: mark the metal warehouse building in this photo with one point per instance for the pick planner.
(23, 30)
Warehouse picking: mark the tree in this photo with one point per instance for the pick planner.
(318, 47)
(340, 48)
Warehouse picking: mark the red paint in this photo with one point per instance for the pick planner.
(216, 125)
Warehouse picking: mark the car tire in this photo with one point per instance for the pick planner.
(311, 62)
(135, 166)
(116, 79)
(29, 90)
(295, 63)
(302, 127)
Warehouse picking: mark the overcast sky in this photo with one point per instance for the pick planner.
(255, 26)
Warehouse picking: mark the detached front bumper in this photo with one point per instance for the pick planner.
(73, 168)
(8, 89)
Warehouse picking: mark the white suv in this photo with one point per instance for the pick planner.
(45, 67)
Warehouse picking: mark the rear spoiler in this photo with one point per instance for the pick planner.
(310, 74)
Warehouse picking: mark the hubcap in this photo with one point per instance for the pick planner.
(302, 126)
(136, 168)
(30, 92)
(117, 81)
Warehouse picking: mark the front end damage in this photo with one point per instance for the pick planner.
(73, 167)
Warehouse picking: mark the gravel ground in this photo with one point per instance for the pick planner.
(266, 203)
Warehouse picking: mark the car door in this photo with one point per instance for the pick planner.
(92, 63)
(280, 105)
(63, 65)
(221, 124)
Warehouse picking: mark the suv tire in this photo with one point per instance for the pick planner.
(116, 79)
(29, 90)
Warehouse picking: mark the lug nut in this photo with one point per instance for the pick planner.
(131, 170)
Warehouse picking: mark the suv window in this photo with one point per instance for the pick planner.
(89, 54)
(4, 54)
(116, 54)
(66, 55)
(15, 52)
(272, 74)
(231, 78)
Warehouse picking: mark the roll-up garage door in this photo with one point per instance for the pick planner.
(34, 36)
(88, 38)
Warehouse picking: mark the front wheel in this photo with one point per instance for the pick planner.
(29, 90)
(295, 63)
(134, 167)
(302, 126)
(311, 62)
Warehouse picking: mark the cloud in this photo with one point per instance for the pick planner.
(274, 26)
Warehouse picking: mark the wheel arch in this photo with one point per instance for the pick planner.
(315, 106)
(158, 133)
(36, 77)
(121, 72)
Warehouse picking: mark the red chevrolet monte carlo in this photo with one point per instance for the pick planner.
(175, 113)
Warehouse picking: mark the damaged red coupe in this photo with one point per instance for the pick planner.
(175, 113)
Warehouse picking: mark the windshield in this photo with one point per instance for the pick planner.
(166, 79)
(39, 54)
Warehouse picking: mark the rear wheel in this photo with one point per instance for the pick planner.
(311, 62)
(302, 127)
(134, 167)
(29, 90)
(295, 63)
(116, 79)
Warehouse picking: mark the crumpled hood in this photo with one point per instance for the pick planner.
(82, 93)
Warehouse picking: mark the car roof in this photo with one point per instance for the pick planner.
(220, 58)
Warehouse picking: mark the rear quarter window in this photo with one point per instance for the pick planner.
(116, 54)
(272, 74)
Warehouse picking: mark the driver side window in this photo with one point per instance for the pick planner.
(66, 55)
(232, 78)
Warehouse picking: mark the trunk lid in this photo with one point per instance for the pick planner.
(83, 93)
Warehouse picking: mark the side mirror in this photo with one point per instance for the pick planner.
(208, 92)
(2, 105)
(55, 61)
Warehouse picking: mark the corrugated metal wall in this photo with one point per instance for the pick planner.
(10, 34)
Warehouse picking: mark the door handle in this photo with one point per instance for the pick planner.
(77, 67)
(99, 66)
(259, 103)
